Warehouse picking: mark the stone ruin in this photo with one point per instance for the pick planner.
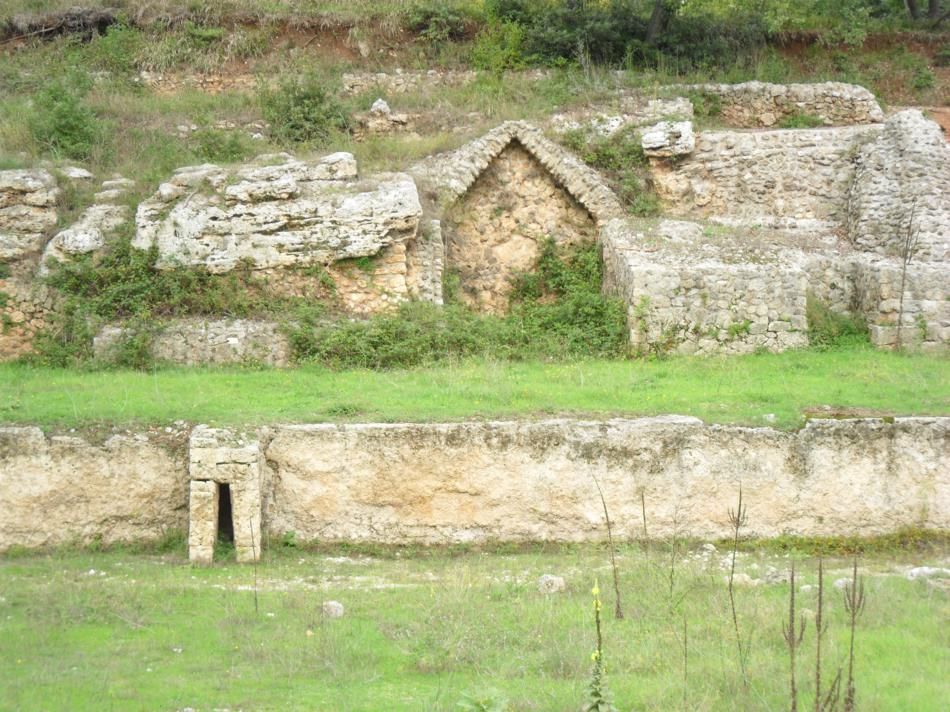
(756, 219)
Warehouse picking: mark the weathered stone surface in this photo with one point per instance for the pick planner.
(475, 481)
(497, 229)
(401, 82)
(700, 289)
(27, 211)
(86, 235)
(450, 175)
(497, 481)
(332, 609)
(277, 215)
(549, 583)
(197, 341)
(902, 188)
(203, 504)
(219, 456)
(758, 104)
(668, 139)
(795, 178)
(66, 489)
(630, 111)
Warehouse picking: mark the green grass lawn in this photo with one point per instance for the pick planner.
(100, 631)
(747, 389)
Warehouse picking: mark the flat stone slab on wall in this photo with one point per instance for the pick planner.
(533, 481)
(65, 489)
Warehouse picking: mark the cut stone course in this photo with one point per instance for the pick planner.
(442, 483)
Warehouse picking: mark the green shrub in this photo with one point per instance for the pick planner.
(118, 50)
(557, 311)
(942, 56)
(123, 284)
(830, 328)
(301, 110)
(217, 146)
(438, 23)
(62, 124)
(800, 120)
(499, 48)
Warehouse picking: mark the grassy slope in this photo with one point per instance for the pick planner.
(116, 631)
(724, 390)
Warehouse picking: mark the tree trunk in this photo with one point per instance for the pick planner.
(658, 21)
(933, 9)
(913, 9)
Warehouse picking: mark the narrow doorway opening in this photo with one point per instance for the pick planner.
(225, 519)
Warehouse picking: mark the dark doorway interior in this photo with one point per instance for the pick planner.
(225, 520)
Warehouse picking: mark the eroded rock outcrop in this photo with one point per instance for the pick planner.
(277, 212)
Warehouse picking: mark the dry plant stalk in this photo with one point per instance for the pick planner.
(618, 610)
(908, 248)
(737, 518)
(793, 639)
(854, 601)
(254, 551)
(830, 700)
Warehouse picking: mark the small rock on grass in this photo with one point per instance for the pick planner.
(549, 583)
(333, 609)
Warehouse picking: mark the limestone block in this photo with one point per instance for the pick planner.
(222, 456)
(86, 235)
(203, 502)
(27, 211)
(667, 139)
(277, 212)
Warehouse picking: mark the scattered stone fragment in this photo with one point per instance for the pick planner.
(332, 609)
(549, 583)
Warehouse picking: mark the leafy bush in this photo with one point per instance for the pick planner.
(556, 312)
(118, 50)
(301, 110)
(800, 120)
(437, 23)
(62, 124)
(830, 328)
(942, 56)
(217, 146)
(124, 284)
(617, 32)
(499, 48)
(621, 159)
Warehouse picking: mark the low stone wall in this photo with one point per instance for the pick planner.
(65, 489)
(517, 481)
(902, 189)
(684, 295)
(474, 481)
(758, 104)
(195, 342)
(771, 178)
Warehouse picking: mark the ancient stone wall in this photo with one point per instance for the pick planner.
(68, 489)
(194, 342)
(498, 228)
(758, 104)
(695, 291)
(901, 190)
(27, 216)
(772, 178)
(474, 481)
(516, 481)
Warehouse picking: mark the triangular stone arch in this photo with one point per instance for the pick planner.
(501, 196)
(450, 175)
